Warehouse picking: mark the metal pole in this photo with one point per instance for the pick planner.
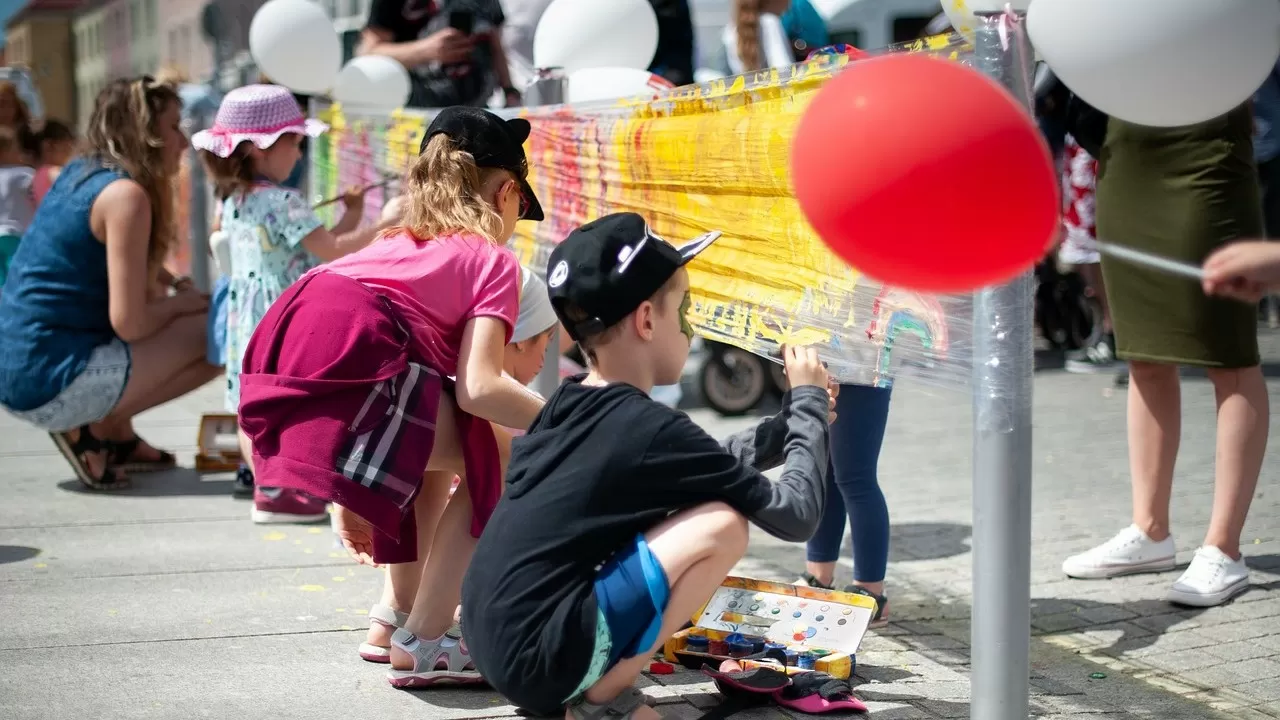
(549, 87)
(198, 213)
(1003, 362)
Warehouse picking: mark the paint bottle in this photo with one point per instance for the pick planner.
(739, 648)
(806, 661)
(696, 643)
(718, 648)
(792, 657)
(774, 646)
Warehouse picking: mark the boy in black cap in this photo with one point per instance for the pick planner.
(621, 516)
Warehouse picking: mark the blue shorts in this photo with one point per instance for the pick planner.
(631, 596)
(216, 351)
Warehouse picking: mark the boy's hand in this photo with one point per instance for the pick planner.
(833, 392)
(355, 533)
(804, 367)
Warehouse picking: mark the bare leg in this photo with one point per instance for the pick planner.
(440, 590)
(1243, 422)
(166, 366)
(401, 584)
(246, 448)
(697, 548)
(824, 571)
(875, 587)
(1155, 429)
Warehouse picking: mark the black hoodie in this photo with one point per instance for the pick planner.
(599, 466)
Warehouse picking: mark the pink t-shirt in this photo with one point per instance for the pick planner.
(438, 285)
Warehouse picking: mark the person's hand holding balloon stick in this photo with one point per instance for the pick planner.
(1246, 271)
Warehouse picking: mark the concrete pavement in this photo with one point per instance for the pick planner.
(164, 601)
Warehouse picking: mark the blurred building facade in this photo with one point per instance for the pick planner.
(39, 39)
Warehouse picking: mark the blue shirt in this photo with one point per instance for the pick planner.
(53, 307)
(1266, 118)
(803, 22)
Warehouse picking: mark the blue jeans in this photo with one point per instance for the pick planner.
(853, 486)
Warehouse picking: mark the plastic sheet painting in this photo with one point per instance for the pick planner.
(708, 157)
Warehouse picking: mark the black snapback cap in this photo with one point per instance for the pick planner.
(609, 266)
(493, 142)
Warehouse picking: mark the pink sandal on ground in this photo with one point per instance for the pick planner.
(443, 661)
(387, 617)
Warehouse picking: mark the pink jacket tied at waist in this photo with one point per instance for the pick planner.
(336, 407)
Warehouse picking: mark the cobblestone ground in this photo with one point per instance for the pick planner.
(165, 601)
(1225, 658)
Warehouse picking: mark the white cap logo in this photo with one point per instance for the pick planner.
(558, 275)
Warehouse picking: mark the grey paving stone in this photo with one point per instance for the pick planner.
(1180, 661)
(1244, 650)
(1242, 630)
(1240, 673)
(1104, 614)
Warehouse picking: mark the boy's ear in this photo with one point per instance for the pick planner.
(644, 320)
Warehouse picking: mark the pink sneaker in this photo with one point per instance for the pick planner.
(282, 505)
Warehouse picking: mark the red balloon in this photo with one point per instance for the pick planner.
(925, 174)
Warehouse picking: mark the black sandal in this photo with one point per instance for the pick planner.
(84, 444)
(122, 457)
(881, 618)
(808, 580)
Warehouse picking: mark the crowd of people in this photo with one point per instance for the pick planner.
(570, 554)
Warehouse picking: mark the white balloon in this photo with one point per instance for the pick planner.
(611, 83)
(1166, 63)
(580, 34)
(295, 45)
(962, 15)
(372, 84)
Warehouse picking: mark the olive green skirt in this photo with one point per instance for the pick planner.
(1181, 193)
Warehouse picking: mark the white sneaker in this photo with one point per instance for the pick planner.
(1128, 553)
(1212, 579)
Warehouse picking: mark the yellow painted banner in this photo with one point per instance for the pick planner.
(708, 157)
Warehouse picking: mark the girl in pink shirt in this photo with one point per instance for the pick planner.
(346, 393)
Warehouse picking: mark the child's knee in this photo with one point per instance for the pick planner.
(723, 524)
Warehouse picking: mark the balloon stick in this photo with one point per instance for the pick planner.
(1149, 260)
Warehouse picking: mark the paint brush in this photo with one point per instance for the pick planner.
(364, 189)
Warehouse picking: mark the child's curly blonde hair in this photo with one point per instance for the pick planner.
(445, 192)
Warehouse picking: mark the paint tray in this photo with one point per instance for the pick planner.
(830, 623)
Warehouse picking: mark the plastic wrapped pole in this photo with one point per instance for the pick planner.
(549, 87)
(1003, 361)
(198, 213)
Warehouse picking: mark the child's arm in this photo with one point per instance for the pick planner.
(483, 389)
(788, 509)
(297, 224)
(763, 447)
